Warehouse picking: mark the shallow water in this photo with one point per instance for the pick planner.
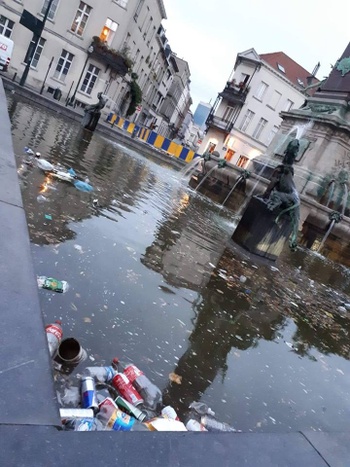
(155, 279)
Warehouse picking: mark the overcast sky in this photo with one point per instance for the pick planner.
(209, 34)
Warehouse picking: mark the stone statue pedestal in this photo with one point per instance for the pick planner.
(258, 232)
(90, 121)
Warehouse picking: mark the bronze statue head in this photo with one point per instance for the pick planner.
(291, 152)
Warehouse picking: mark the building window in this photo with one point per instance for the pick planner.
(37, 53)
(261, 91)
(138, 9)
(300, 82)
(228, 114)
(246, 120)
(81, 18)
(281, 68)
(242, 161)
(289, 105)
(63, 65)
(90, 79)
(108, 31)
(274, 100)
(271, 135)
(6, 26)
(259, 128)
(148, 26)
(122, 3)
(53, 8)
(211, 147)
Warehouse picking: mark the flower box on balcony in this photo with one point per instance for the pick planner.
(114, 59)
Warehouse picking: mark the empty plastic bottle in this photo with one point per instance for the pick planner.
(201, 408)
(43, 164)
(149, 392)
(214, 425)
(194, 425)
(101, 374)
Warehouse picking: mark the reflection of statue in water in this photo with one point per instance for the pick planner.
(93, 112)
(282, 191)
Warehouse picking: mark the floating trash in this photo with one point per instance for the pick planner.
(41, 199)
(50, 283)
(82, 186)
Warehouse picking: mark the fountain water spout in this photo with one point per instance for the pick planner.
(221, 164)
(345, 198)
(331, 186)
(245, 174)
(335, 217)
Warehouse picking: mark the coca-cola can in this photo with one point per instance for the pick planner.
(132, 372)
(126, 389)
(88, 393)
(54, 335)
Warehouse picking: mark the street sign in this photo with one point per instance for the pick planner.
(31, 22)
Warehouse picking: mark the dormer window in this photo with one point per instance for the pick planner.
(281, 68)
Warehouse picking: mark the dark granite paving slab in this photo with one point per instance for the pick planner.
(42, 447)
(333, 447)
(9, 187)
(27, 393)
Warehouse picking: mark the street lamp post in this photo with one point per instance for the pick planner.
(33, 45)
(89, 51)
(47, 72)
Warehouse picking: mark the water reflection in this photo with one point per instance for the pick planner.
(154, 278)
(186, 248)
(224, 319)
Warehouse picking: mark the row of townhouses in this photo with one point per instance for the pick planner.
(246, 116)
(117, 47)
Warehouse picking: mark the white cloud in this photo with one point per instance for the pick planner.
(209, 34)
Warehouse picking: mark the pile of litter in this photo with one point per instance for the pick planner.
(56, 171)
(118, 397)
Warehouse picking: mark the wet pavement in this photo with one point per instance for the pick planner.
(155, 279)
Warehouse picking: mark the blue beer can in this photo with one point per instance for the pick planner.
(88, 393)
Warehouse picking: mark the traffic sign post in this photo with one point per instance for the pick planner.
(36, 26)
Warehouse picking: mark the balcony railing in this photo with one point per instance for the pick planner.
(220, 123)
(235, 94)
(114, 59)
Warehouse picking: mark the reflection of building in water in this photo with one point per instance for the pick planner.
(112, 173)
(186, 246)
(223, 321)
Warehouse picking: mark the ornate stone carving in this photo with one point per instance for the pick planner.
(343, 66)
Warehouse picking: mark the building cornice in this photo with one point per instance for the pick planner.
(162, 9)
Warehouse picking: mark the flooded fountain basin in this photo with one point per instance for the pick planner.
(154, 279)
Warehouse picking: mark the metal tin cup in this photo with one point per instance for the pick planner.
(70, 353)
(88, 393)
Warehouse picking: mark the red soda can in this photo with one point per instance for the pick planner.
(54, 336)
(126, 389)
(132, 372)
